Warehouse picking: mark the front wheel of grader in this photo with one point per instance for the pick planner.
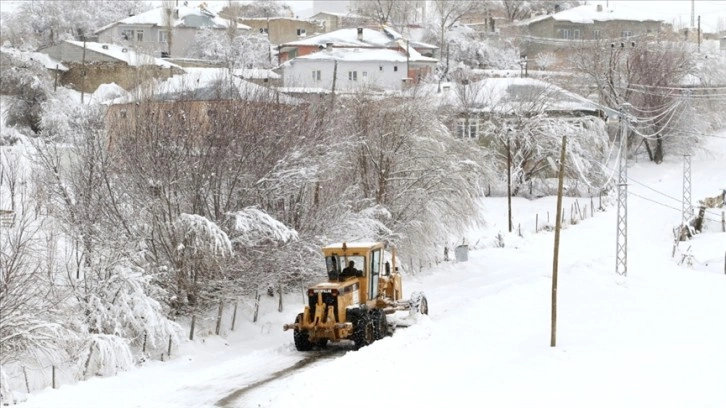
(301, 338)
(419, 304)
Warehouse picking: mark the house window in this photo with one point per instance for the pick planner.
(566, 33)
(395, 69)
(127, 34)
(316, 75)
(163, 36)
(626, 34)
(265, 31)
(596, 34)
(301, 32)
(140, 35)
(352, 75)
(576, 34)
(468, 128)
(365, 74)
(380, 67)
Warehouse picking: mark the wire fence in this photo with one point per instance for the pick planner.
(18, 379)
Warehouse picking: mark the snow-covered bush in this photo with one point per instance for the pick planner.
(30, 85)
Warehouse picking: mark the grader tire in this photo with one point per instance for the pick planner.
(300, 337)
(363, 332)
(419, 304)
(380, 324)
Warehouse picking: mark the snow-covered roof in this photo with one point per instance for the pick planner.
(121, 53)
(363, 54)
(362, 244)
(505, 95)
(192, 17)
(47, 61)
(588, 14)
(348, 37)
(203, 84)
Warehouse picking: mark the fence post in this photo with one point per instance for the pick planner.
(723, 221)
(279, 306)
(143, 348)
(536, 223)
(519, 230)
(162, 356)
(548, 218)
(218, 327)
(169, 351)
(257, 307)
(592, 207)
(191, 331)
(234, 316)
(27, 385)
(53, 377)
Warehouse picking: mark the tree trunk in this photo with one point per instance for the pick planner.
(658, 154)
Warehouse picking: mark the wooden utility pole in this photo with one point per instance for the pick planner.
(558, 225)
(83, 71)
(509, 181)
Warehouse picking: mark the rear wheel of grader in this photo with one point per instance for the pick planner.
(363, 332)
(380, 324)
(302, 341)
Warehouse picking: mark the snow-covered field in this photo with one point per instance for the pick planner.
(654, 339)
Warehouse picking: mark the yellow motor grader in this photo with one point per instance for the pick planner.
(361, 290)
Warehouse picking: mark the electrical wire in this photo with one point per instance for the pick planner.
(667, 206)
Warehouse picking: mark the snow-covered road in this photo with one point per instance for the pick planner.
(655, 338)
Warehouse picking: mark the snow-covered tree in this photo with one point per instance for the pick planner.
(260, 9)
(409, 173)
(234, 48)
(29, 84)
(40, 23)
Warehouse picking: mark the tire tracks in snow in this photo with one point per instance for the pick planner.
(320, 355)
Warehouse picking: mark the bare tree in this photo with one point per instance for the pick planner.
(397, 13)
(642, 74)
(448, 12)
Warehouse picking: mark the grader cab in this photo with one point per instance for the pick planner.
(353, 304)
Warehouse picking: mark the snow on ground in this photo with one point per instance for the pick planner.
(653, 339)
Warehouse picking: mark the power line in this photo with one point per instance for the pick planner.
(667, 206)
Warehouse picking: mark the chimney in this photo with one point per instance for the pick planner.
(599, 8)
(360, 33)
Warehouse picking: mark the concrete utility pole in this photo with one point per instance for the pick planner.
(555, 259)
(621, 243)
(687, 210)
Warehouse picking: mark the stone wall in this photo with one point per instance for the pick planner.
(107, 72)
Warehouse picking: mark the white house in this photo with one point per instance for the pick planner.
(356, 68)
(164, 32)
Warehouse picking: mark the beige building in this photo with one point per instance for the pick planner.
(557, 33)
(281, 30)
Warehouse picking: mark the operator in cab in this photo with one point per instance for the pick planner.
(351, 271)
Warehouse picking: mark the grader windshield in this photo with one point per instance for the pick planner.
(339, 267)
